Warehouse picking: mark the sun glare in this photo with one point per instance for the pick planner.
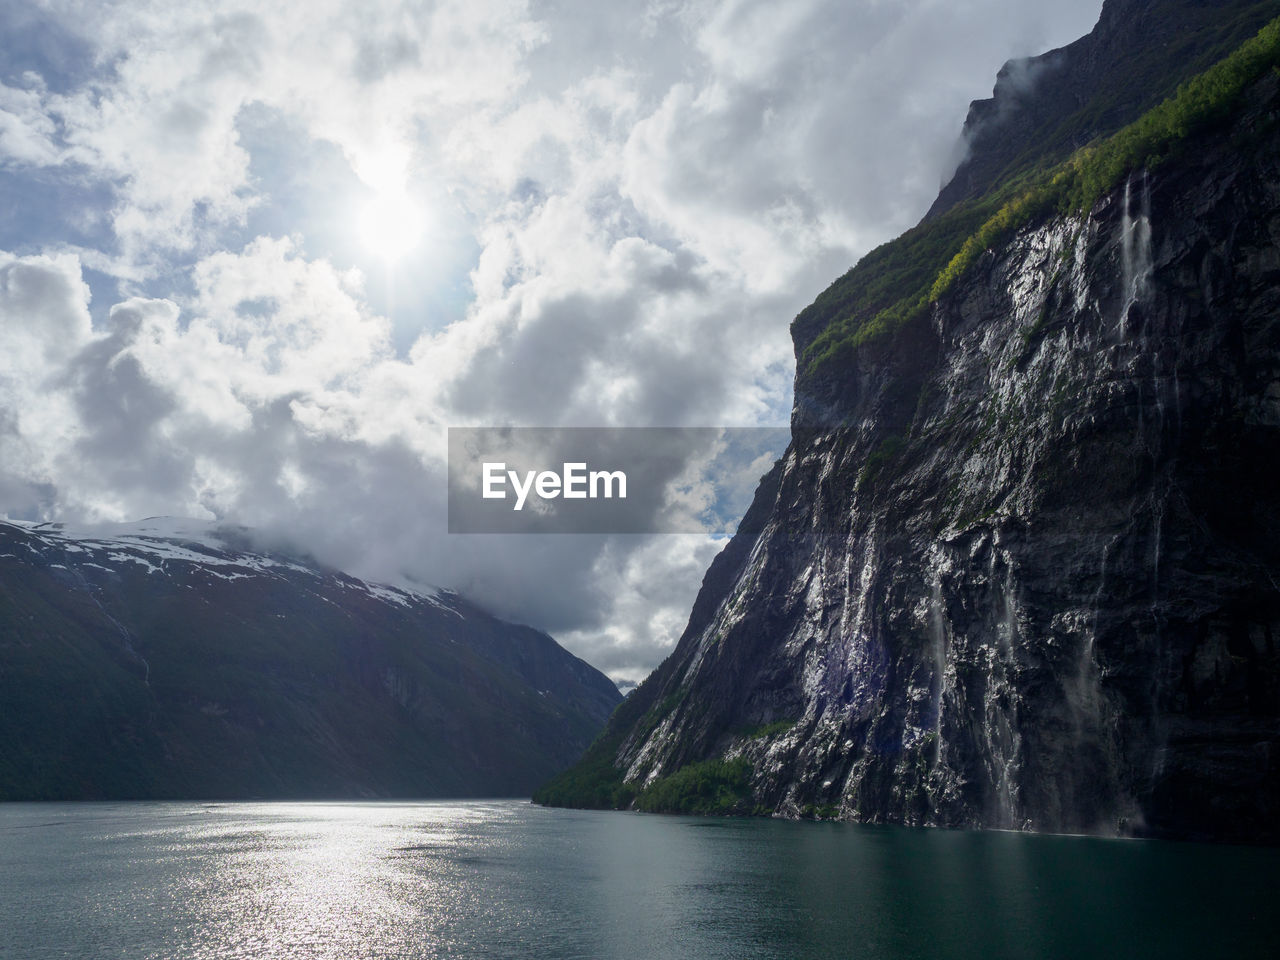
(391, 225)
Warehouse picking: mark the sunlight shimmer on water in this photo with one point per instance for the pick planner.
(316, 881)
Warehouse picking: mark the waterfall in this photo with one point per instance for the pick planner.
(1002, 740)
(1135, 248)
(938, 643)
(1155, 560)
(1088, 666)
(1135, 287)
(1084, 693)
(1009, 619)
(1126, 255)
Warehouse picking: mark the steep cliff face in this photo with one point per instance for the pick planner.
(1020, 566)
(168, 660)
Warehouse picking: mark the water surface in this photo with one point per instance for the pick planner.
(505, 879)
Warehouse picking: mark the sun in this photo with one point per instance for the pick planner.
(390, 220)
(391, 224)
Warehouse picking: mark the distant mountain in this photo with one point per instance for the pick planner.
(171, 659)
(1020, 564)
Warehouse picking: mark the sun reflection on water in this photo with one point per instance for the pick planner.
(327, 880)
(503, 879)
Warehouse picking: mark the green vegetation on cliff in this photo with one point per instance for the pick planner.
(896, 282)
(595, 782)
(709, 787)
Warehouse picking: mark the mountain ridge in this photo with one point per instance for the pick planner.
(1056, 102)
(162, 661)
(894, 284)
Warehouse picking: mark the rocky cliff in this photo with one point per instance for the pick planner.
(1020, 566)
(171, 660)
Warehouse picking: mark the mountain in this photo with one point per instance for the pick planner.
(168, 659)
(1045, 107)
(1020, 565)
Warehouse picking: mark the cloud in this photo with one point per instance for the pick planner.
(27, 133)
(627, 203)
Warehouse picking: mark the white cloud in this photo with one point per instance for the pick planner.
(44, 323)
(27, 132)
(654, 192)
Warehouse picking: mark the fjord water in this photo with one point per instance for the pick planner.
(506, 879)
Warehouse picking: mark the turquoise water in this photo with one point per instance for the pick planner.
(506, 879)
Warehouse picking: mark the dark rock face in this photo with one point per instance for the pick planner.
(161, 667)
(1020, 566)
(1044, 107)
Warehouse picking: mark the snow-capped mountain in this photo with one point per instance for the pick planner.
(177, 545)
(175, 658)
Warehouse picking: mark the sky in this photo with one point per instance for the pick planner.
(255, 259)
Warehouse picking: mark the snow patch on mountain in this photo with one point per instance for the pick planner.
(217, 550)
